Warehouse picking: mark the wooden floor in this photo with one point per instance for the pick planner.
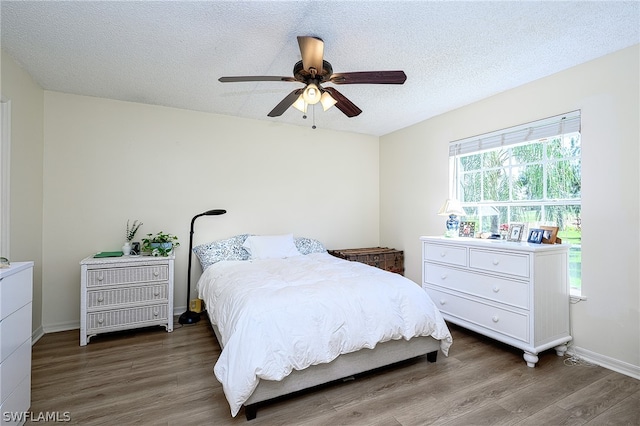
(151, 377)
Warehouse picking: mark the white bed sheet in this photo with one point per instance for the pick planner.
(338, 306)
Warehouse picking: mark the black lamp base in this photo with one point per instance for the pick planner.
(189, 317)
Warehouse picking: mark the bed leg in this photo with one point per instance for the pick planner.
(251, 411)
(432, 356)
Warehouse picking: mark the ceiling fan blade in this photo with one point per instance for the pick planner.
(254, 78)
(369, 77)
(345, 105)
(312, 51)
(285, 103)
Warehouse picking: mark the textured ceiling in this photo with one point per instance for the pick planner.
(172, 53)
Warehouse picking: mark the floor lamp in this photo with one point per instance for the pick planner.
(190, 317)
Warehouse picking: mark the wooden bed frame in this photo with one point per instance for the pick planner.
(342, 367)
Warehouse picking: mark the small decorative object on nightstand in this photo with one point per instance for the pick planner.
(389, 259)
(122, 293)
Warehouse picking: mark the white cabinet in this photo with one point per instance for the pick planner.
(16, 293)
(121, 293)
(517, 293)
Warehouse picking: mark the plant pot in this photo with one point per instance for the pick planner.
(161, 249)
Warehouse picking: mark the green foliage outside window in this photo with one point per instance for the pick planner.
(535, 182)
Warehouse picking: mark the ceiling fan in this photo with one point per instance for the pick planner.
(313, 71)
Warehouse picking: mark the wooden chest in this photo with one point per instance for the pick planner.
(381, 257)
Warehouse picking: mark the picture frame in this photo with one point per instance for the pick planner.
(515, 232)
(549, 234)
(535, 235)
(467, 229)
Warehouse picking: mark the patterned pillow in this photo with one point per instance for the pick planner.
(228, 249)
(309, 245)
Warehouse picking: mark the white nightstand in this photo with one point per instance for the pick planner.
(121, 293)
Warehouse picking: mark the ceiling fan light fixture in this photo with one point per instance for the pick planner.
(327, 101)
(311, 94)
(300, 104)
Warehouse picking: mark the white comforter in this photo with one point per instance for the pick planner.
(275, 315)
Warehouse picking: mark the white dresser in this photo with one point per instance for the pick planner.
(16, 293)
(121, 293)
(517, 293)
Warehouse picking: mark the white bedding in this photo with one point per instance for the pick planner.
(337, 307)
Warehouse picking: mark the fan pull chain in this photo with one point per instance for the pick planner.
(313, 112)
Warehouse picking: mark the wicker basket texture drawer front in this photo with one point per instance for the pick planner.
(112, 276)
(127, 295)
(121, 317)
(389, 259)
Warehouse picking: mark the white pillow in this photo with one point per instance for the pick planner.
(271, 246)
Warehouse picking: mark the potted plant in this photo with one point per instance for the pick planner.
(160, 244)
(131, 232)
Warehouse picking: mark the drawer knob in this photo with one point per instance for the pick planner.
(156, 293)
(156, 273)
(101, 299)
(496, 289)
(495, 318)
(443, 276)
(155, 313)
(442, 301)
(100, 320)
(443, 254)
(495, 262)
(100, 277)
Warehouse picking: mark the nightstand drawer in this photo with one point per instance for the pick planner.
(127, 295)
(511, 292)
(499, 262)
(443, 253)
(139, 316)
(138, 274)
(509, 323)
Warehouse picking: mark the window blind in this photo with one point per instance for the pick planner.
(547, 127)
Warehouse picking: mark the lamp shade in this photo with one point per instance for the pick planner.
(327, 101)
(311, 94)
(451, 206)
(300, 104)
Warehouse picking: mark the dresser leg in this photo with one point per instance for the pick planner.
(561, 350)
(531, 359)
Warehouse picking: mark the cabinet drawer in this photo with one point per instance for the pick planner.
(15, 369)
(14, 331)
(120, 317)
(443, 253)
(503, 321)
(499, 262)
(511, 292)
(128, 275)
(15, 291)
(127, 295)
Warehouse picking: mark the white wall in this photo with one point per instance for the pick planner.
(413, 185)
(108, 161)
(27, 112)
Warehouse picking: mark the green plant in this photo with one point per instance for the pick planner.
(131, 231)
(160, 244)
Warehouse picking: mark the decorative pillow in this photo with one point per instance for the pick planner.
(271, 246)
(228, 249)
(309, 245)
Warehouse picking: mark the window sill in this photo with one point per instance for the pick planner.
(576, 296)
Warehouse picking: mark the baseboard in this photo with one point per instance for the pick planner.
(36, 335)
(61, 326)
(606, 362)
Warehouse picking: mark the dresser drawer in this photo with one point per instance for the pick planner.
(127, 295)
(443, 253)
(15, 369)
(511, 292)
(14, 331)
(138, 274)
(499, 262)
(503, 321)
(120, 317)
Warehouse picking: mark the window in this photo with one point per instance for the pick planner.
(526, 174)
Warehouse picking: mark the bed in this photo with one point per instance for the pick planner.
(289, 316)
